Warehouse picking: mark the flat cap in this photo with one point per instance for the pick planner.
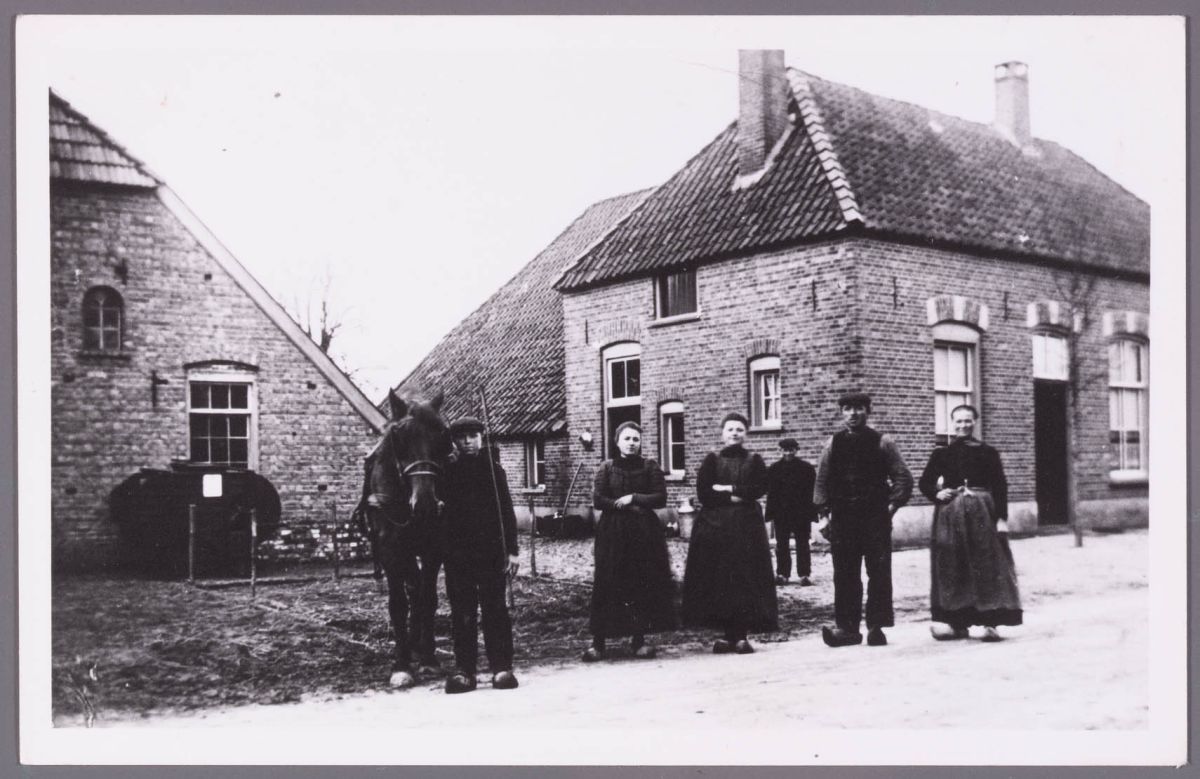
(789, 444)
(854, 399)
(466, 425)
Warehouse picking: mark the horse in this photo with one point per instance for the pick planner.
(401, 509)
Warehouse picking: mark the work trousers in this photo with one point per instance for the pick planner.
(862, 534)
(475, 587)
(786, 529)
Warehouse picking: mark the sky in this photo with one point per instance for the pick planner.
(411, 165)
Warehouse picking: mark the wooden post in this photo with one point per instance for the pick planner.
(191, 543)
(532, 535)
(333, 521)
(253, 556)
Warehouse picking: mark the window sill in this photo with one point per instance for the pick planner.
(675, 320)
(96, 354)
(1128, 478)
(766, 429)
(676, 478)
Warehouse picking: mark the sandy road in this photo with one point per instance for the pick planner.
(1080, 662)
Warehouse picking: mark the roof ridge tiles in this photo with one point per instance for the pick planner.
(814, 124)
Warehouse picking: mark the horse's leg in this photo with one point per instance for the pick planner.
(426, 610)
(399, 569)
(373, 538)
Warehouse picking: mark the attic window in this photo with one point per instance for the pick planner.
(675, 294)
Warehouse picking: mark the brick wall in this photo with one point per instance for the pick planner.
(898, 354)
(839, 321)
(180, 308)
(704, 362)
(558, 470)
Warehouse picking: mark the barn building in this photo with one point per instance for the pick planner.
(831, 239)
(511, 348)
(167, 354)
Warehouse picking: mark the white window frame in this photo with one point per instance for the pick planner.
(760, 370)
(622, 352)
(230, 377)
(1051, 356)
(626, 352)
(674, 468)
(1119, 387)
(947, 396)
(535, 462)
(660, 293)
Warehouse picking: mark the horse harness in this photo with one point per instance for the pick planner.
(381, 500)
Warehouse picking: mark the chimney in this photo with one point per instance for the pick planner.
(763, 95)
(1012, 102)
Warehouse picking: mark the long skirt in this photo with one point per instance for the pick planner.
(973, 579)
(633, 591)
(728, 580)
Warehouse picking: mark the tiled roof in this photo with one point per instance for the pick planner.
(512, 345)
(80, 151)
(892, 168)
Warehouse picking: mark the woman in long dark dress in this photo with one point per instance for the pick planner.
(973, 580)
(633, 592)
(728, 582)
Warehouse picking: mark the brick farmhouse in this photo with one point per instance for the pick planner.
(167, 353)
(831, 239)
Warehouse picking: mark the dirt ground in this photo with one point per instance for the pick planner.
(133, 649)
(138, 647)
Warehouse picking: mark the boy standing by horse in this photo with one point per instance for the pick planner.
(480, 554)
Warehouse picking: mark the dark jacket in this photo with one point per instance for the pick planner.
(744, 470)
(470, 522)
(629, 476)
(790, 490)
(969, 461)
(892, 481)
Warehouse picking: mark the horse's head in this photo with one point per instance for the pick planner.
(420, 443)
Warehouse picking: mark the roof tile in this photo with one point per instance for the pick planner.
(899, 169)
(512, 345)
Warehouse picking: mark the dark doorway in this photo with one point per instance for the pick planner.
(619, 415)
(1050, 450)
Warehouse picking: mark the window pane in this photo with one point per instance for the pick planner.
(220, 395)
(199, 396)
(617, 380)
(239, 396)
(91, 338)
(1129, 410)
(941, 413)
(239, 452)
(91, 315)
(199, 450)
(220, 450)
(958, 368)
(633, 372)
(239, 426)
(198, 425)
(941, 373)
(677, 293)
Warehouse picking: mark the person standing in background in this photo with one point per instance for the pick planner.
(790, 482)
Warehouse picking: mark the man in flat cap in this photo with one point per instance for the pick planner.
(481, 552)
(861, 482)
(790, 507)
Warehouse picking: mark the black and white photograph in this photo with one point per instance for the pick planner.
(542, 390)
